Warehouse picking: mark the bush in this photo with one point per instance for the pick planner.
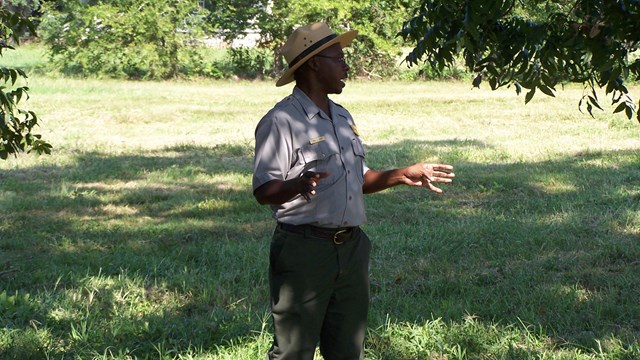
(428, 72)
(131, 39)
(251, 63)
(366, 60)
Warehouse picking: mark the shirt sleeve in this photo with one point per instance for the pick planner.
(272, 151)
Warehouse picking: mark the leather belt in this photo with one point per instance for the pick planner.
(337, 235)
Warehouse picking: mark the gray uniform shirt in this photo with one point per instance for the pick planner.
(296, 136)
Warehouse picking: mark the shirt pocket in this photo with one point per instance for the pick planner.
(359, 155)
(313, 157)
(313, 153)
(358, 148)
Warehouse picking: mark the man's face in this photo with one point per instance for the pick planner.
(333, 69)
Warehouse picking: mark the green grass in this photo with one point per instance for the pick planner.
(139, 237)
(30, 57)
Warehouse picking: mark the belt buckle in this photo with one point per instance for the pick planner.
(335, 236)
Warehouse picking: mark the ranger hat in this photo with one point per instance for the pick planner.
(307, 41)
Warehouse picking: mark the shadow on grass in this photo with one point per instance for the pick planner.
(548, 244)
(179, 225)
(552, 244)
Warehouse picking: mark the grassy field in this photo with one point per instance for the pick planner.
(139, 237)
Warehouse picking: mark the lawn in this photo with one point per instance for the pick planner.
(139, 237)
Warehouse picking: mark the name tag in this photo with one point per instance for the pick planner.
(316, 140)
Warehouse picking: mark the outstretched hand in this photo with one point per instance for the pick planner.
(423, 174)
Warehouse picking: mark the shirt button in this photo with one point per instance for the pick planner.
(350, 197)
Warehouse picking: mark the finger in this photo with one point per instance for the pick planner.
(441, 179)
(446, 167)
(434, 188)
(445, 174)
(437, 169)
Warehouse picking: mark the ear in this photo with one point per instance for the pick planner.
(313, 64)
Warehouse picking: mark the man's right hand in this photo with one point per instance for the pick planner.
(278, 192)
(309, 181)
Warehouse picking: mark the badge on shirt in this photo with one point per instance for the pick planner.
(316, 140)
(355, 130)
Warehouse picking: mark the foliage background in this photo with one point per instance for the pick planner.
(535, 45)
(125, 39)
(17, 124)
(138, 39)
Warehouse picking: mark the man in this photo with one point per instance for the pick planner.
(309, 166)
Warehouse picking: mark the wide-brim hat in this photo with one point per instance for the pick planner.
(307, 41)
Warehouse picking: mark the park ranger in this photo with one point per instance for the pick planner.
(310, 168)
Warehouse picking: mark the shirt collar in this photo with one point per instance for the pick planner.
(308, 106)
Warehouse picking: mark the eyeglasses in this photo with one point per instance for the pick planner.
(336, 58)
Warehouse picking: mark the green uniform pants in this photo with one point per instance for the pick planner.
(319, 294)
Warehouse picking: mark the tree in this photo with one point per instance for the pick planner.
(536, 45)
(16, 124)
(232, 18)
(22, 7)
(373, 54)
(125, 38)
(148, 39)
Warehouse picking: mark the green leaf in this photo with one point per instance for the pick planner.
(14, 76)
(529, 95)
(493, 82)
(524, 67)
(595, 102)
(546, 79)
(477, 80)
(546, 90)
(620, 107)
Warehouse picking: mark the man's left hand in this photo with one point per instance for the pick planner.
(423, 174)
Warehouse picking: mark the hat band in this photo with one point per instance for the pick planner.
(311, 49)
